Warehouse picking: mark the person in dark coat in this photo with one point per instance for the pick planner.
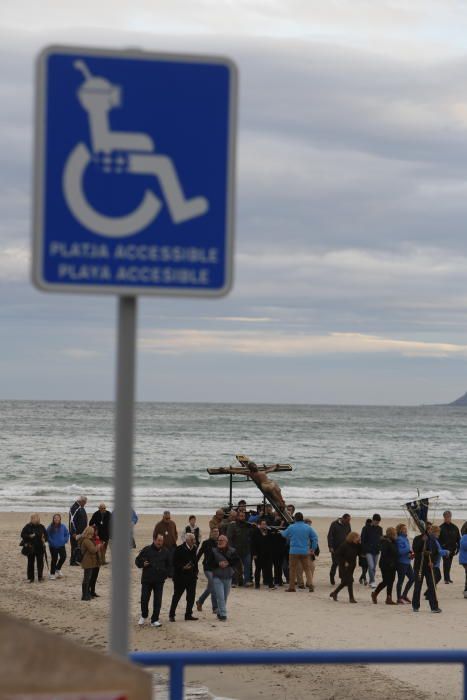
(205, 552)
(388, 565)
(338, 531)
(168, 529)
(239, 536)
(154, 560)
(449, 539)
(280, 553)
(426, 551)
(262, 544)
(370, 538)
(101, 520)
(346, 556)
(33, 539)
(363, 563)
(185, 574)
(77, 523)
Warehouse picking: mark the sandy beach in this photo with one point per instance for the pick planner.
(257, 619)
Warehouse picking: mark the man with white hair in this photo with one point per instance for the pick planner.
(185, 574)
(77, 523)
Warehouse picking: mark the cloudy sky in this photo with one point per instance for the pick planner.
(351, 238)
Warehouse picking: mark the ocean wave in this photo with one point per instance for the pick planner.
(358, 500)
(344, 458)
(184, 480)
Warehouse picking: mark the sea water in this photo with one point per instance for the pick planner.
(344, 458)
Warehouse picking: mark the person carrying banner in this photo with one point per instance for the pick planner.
(425, 549)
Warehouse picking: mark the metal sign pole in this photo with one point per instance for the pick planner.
(123, 478)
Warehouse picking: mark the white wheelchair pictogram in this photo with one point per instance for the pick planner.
(120, 152)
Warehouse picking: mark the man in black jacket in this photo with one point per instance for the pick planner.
(449, 539)
(239, 536)
(280, 552)
(338, 531)
(262, 549)
(154, 560)
(425, 549)
(77, 523)
(185, 574)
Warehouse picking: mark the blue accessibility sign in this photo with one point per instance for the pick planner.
(134, 172)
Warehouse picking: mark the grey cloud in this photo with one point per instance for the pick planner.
(342, 153)
(346, 98)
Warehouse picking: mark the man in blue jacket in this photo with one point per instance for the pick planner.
(303, 542)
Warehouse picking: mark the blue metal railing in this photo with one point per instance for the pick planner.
(177, 660)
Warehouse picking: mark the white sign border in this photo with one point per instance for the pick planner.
(39, 169)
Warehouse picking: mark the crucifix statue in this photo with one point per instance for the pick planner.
(260, 476)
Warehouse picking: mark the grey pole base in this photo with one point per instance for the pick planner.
(123, 476)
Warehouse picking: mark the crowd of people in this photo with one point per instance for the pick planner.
(413, 563)
(237, 539)
(252, 548)
(88, 544)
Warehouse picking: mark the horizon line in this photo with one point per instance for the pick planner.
(239, 403)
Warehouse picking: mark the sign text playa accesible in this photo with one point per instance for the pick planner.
(134, 172)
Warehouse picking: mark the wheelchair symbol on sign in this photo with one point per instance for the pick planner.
(120, 152)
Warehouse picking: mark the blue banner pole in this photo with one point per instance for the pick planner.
(176, 680)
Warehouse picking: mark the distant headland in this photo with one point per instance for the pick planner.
(461, 401)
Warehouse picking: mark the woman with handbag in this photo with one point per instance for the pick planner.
(33, 539)
(91, 554)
